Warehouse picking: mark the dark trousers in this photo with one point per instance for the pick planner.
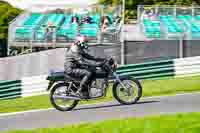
(83, 74)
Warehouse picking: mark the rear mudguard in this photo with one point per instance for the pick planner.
(51, 83)
(55, 77)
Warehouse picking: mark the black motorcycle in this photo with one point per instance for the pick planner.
(125, 89)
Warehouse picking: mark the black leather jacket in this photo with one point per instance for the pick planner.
(77, 58)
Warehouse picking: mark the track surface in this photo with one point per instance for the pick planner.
(99, 112)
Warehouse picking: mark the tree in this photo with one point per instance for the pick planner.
(8, 13)
(131, 5)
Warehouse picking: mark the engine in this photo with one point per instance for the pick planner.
(98, 88)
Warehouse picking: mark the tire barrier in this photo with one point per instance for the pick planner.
(10, 89)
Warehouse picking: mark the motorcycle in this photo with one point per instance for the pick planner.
(126, 90)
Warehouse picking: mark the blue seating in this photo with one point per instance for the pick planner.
(151, 28)
(173, 26)
(69, 30)
(96, 18)
(89, 30)
(55, 19)
(26, 30)
(34, 27)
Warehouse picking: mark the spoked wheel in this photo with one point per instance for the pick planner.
(128, 93)
(56, 97)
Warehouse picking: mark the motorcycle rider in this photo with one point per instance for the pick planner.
(77, 66)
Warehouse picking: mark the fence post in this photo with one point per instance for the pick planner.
(175, 11)
(193, 13)
(122, 35)
(122, 42)
(140, 10)
(181, 47)
(122, 53)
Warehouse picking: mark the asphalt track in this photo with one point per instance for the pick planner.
(99, 112)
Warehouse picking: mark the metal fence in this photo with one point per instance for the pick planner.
(40, 63)
(173, 10)
(169, 22)
(62, 34)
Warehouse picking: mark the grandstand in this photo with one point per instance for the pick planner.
(54, 28)
(170, 22)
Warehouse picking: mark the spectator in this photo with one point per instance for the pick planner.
(86, 19)
(144, 15)
(106, 22)
(49, 31)
(106, 19)
(74, 19)
(152, 15)
(117, 19)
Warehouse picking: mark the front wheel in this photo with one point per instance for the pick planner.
(128, 91)
(56, 94)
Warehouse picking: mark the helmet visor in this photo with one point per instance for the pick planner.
(84, 45)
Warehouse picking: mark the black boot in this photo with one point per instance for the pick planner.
(83, 89)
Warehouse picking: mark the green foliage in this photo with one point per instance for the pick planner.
(176, 123)
(8, 13)
(110, 2)
(131, 5)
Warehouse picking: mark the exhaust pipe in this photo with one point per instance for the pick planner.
(66, 97)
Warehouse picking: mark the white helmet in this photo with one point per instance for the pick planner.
(80, 39)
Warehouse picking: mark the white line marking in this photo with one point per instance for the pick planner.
(172, 95)
(49, 109)
(29, 111)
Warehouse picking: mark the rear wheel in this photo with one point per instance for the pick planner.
(128, 93)
(59, 103)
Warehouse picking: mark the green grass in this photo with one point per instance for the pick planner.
(171, 86)
(168, 86)
(179, 123)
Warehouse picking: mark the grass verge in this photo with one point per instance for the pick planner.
(178, 123)
(169, 86)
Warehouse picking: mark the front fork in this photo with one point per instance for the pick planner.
(119, 80)
(128, 90)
